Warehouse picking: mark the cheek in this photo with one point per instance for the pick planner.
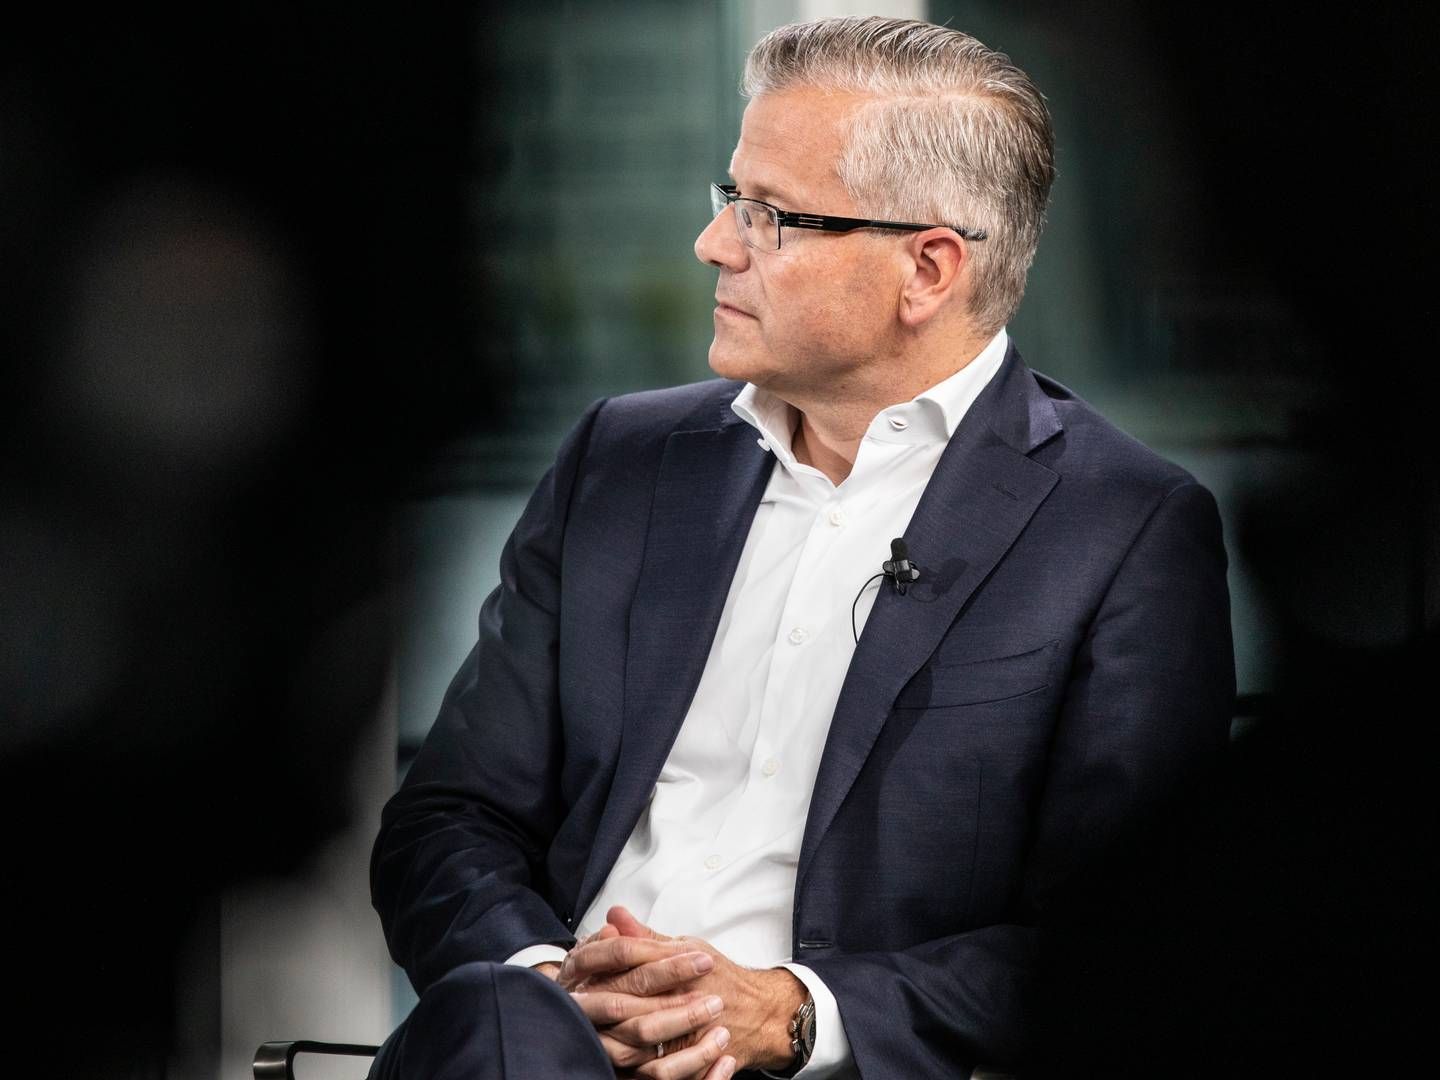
(855, 304)
(834, 306)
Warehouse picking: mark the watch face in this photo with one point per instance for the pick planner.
(807, 1034)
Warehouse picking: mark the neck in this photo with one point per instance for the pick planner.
(830, 449)
(830, 429)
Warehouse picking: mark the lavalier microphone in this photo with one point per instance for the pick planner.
(898, 568)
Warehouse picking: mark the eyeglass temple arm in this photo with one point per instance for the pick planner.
(828, 223)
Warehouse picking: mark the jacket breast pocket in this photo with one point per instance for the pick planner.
(972, 682)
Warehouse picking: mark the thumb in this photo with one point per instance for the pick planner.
(629, 926)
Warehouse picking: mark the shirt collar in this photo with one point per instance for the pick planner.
(930, 417)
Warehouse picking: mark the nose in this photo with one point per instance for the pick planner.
(719, 243)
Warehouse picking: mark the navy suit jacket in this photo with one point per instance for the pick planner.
(1062, 667)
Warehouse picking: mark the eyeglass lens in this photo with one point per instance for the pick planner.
(755, 221)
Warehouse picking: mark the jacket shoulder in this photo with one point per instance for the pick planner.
(644, 420)
(1092, 451)
(1106, 468)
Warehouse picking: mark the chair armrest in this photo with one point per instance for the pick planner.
(275, 1060)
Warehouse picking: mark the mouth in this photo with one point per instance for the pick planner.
(722, 308)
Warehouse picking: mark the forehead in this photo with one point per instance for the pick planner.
(790, 144)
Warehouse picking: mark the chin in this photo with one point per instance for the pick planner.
(729, 362)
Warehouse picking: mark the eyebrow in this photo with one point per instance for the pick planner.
(763, 192)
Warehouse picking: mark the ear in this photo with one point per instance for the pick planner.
(938, 270)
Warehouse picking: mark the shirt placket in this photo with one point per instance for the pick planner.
(784, 742)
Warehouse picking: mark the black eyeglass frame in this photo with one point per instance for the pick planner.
(830, 223)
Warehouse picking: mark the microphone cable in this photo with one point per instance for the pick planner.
(898, 568)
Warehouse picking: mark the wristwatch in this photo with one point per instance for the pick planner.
(802, 1041)
(802, 1034)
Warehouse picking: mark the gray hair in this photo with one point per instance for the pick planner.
(956, 133)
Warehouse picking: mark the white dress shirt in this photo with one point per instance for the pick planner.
(715, 850)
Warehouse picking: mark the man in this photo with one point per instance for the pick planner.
(798, 820)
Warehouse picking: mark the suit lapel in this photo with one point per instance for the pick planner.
(983, 492)
(709, 487)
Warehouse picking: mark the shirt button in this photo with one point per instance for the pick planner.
(899, 423)
(771, 767)
(713, 862)
(798, 636)
(837, 518)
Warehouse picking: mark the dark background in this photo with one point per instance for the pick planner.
(251, 301)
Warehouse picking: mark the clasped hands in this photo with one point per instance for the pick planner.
(647, 993)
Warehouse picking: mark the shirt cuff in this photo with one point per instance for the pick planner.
(832, 1059)
(537, 954)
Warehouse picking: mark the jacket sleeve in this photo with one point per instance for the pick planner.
(1144, 716)
(456, 869)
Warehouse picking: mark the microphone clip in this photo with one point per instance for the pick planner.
(898, 568)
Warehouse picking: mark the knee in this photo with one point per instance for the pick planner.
(481, 1020)
(483, 985)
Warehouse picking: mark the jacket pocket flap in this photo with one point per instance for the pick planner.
(973, 681)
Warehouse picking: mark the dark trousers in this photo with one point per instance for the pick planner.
(493, 1022)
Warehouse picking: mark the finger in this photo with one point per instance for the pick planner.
(659, 977)
(605, 931)
(722, 1069)
(666, 1024)
(607, 1008)
(616, 954)
(625, 923)
(623, 1055)
(688, 1062)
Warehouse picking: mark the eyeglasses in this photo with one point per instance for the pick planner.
(760, 224)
